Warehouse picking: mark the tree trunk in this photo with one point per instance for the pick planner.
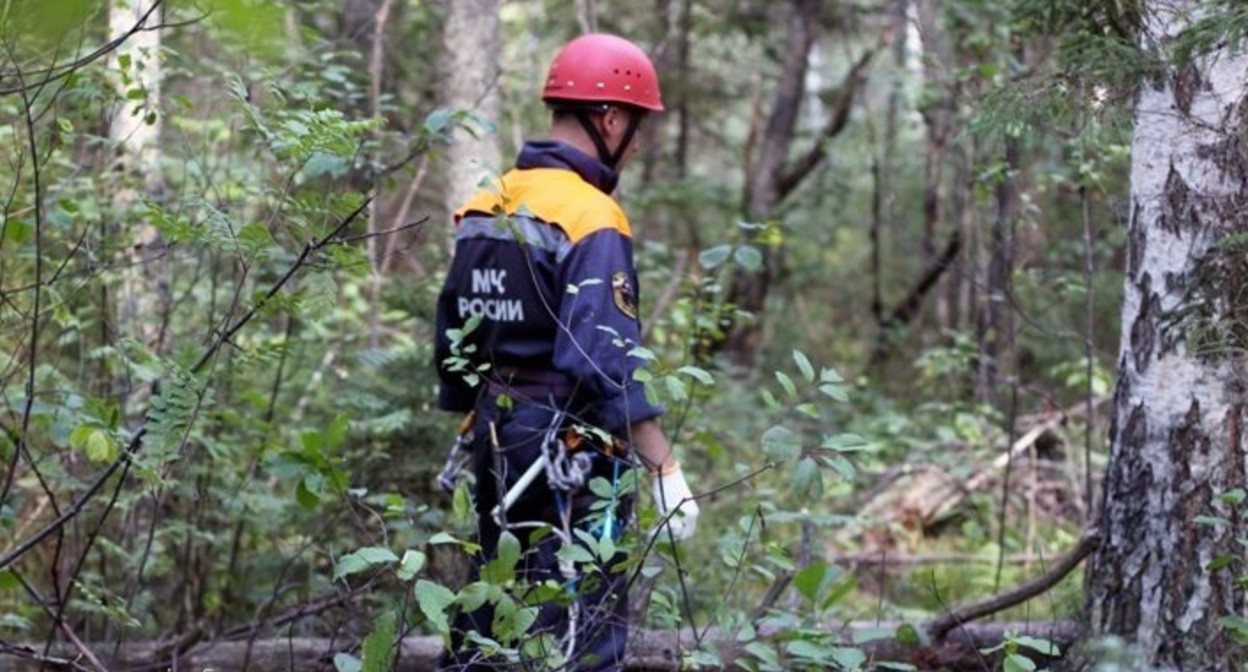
(771, 177)
(763, 183)
(471, 48)
(134, 130)
(994, 328)
(1178, 430)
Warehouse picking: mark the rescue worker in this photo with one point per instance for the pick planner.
(539, 310)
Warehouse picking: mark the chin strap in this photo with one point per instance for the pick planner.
(611, 159)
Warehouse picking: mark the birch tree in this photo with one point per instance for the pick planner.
(471, 47)
(1178, 450)
(135, 133)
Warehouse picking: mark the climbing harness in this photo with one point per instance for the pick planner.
(459, 456)
(567, 466)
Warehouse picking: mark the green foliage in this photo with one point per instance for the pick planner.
(297, 461)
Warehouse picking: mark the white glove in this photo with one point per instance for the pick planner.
(672, 492)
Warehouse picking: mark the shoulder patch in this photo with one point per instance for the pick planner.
(623, 293)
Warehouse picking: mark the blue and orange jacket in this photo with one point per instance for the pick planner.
(545, 258)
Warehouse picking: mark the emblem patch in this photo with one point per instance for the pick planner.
(625, 297)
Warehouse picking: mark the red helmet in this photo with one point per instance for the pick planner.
(601, 68)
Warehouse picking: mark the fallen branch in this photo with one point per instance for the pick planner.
(906, 309)
(920, 496)
(650, 650)
(940, 627)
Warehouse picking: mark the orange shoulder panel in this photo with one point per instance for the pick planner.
(555, 196)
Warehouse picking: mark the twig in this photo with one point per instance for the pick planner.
(940, 627)
(137, 441)
(48, 661)
(60, 71)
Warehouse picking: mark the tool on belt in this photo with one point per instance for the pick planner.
(459, 456)
(566, 467)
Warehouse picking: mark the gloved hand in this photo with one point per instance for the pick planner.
(671, 491)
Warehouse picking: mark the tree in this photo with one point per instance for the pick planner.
(770, 176)
(1178, 437)
(135, 133)
(471, 47)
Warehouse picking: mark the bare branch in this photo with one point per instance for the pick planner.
(137, 441)
(798, 172)
(940, 627)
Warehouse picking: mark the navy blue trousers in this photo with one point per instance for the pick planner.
(598, 591)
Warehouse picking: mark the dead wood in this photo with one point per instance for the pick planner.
(652, 650)
(918, 497)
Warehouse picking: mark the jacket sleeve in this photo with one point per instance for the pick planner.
(598, 328)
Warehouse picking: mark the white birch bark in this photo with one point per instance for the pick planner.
(1178, 431)
(471, 48)
(135, 132)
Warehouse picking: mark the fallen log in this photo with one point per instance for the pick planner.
(651, 650)
(918, 498)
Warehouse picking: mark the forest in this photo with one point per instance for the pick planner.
(944, 299)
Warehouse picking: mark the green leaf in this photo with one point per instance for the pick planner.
(848, 658)
(438, 121)
(345, 662)
(575, 553)
(845, 443)
(94, 442)
(781, 444)
(834, 391)
(255, 237)
(714, 256)
(1236, 626)
(8, 580)
(508, 550)
(1233, 497)
(807, 480)
(337, 432)
(377, 646)
(701, 375)
(803, 648)
(1042, 646)
(413, 561)
(433, 600)
(804, 365)
(363, 559)
(676, 388)
(787, 383)
(1018, 663)
(443, 538)
(839, 591)
(908, 635)
(17, 231)
(842, 466)
(101, 447)
(304, 495)
(764, 652)
(811, 579)
(748, 257)
(475, 594)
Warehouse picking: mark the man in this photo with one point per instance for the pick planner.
(539, 310)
